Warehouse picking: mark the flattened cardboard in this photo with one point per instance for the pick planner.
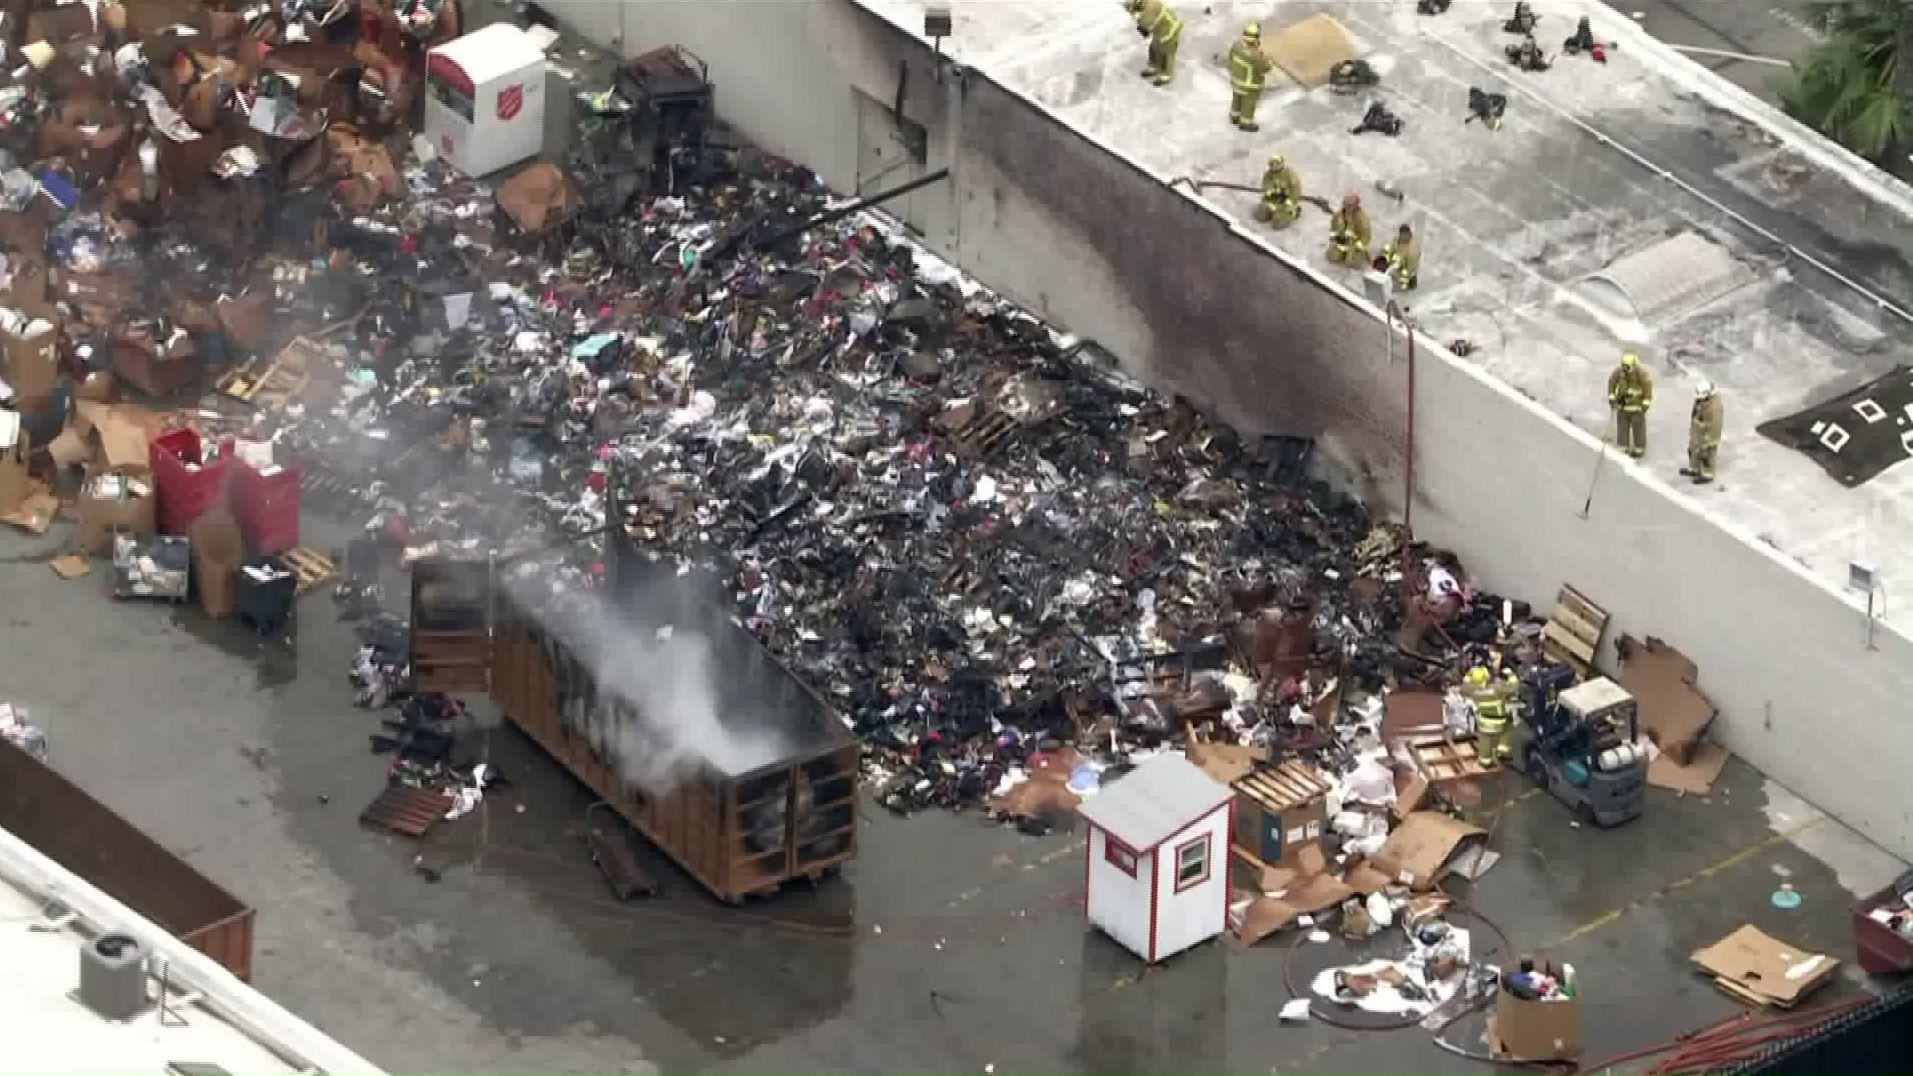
(1697, 777)
(1536, 1030)
(35, 514)
(1420, 848)
(71, 567)
(1754, 967)
(1674, 713)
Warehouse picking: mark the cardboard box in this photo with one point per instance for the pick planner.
(1536, 1030)
(110, 504)
(486, 108)
(14, 453)
(33, 360)
(218, 551)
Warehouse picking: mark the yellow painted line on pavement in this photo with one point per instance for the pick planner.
(1732, 860)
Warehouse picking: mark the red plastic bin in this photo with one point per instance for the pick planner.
(266, 507)
(186, 494)
(1881, 950)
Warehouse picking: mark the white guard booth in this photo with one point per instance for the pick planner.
(1158, 857)
(485, 99)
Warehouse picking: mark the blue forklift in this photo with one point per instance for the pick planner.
(1581, 742)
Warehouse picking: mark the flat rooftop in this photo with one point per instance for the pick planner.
(47, 1030)
(1512, 223)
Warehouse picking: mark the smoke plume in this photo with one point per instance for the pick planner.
(660, 707)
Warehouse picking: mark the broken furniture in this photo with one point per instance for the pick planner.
(1156, 840)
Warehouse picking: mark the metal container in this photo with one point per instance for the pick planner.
(737, 832)
(86, 837)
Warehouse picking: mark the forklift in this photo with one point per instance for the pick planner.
(1581, 742)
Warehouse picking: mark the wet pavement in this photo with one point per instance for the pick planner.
(949, 944)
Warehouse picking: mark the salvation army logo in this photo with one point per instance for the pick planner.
(511, 101)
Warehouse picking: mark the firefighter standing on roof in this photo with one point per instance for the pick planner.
(1349, 234)
(1630, 392)
(1703, 433)
(1248, 69)
(1163, 28)
(1404, 257)
(1281, 194)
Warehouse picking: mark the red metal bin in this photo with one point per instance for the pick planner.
(1882, 950)
(184, 493)
(266, 506)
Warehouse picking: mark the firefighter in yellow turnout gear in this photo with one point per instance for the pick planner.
(1248, 72)
(1630, 392)
(1349, 234)
(1703, 433)
(1491, 713)
(1163, 28)
(1281, 194)
(1404, 257)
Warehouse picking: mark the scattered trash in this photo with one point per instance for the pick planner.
(1786, 897)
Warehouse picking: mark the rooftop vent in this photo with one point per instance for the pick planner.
(113, 976)
(1666, 280)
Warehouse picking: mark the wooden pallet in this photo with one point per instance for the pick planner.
(1441, 758)
(266, 384)
(407, 811)
(1574, 630)
(311, 568)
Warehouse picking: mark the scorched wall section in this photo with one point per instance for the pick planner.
(1107, 250)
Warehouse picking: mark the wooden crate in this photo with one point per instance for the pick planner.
(1278, 812)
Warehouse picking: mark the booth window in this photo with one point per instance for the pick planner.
(1192, 863)
(1119, 855)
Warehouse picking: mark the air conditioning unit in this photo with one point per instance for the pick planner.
(113, 977)
(1378, 286)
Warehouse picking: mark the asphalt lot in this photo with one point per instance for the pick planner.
(948, 946)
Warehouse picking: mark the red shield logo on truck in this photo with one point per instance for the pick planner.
(511, 101)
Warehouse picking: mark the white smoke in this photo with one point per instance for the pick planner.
(658, 713)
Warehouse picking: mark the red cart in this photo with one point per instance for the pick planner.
(185, 486)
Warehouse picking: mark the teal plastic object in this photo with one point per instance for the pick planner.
(1575, 772)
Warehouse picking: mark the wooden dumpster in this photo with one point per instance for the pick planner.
(87, 837)
(737, 829)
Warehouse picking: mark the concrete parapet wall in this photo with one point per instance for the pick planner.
(1104, 248)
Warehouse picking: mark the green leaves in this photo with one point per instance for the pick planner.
(1856, 87)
